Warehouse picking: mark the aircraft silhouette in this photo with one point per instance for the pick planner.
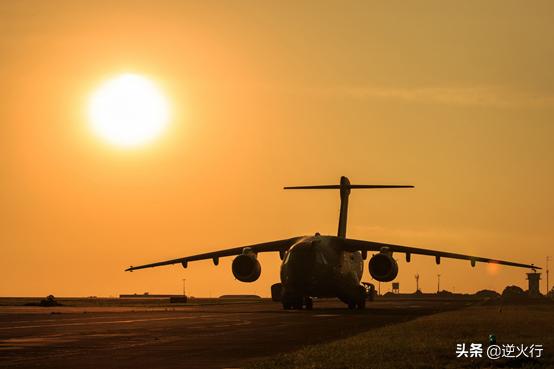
(324, 266)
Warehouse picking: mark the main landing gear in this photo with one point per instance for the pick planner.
(298, 303)
(356, 305)
(364, 293)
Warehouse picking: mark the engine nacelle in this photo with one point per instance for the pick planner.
(246, 267)
(383, 267)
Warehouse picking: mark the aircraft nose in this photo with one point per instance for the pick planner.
(300, 263)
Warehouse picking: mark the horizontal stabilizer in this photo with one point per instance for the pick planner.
(338, 187)
(344, 188)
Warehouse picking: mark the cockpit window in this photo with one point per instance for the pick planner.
(286, 257)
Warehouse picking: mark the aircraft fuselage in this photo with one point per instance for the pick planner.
(316, 266)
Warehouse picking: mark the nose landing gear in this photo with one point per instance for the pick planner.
(297, 303)
(309, 303)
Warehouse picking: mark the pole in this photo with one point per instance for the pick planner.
(438, 283)
(184, 287)
(417, 282)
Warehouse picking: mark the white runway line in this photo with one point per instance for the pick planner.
(97, 323)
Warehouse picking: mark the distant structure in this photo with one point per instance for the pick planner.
(240, 297)
(396, 287)
(178, 299)
(534, 279)
(547, 272)
(417, 282)
(146, 295)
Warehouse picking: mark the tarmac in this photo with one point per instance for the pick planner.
(201, 336)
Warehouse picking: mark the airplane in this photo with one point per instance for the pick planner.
(324, 266)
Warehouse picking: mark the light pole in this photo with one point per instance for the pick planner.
(438, 283)
(417, 282)
(547, 272)
(184, 287)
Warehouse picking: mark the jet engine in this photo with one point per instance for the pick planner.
(246, 267)
(383, 267)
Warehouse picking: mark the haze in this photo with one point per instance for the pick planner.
(454, 98)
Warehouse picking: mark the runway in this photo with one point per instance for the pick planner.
(207, 336)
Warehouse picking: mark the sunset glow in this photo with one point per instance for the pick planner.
(138, 131)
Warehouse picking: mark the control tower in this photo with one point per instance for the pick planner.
(534, 279)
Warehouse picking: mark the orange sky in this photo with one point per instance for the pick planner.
(456, 99)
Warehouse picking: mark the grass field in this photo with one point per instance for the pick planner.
(430, 342)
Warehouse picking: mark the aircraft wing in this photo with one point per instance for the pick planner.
(364, 246)
(280, 245)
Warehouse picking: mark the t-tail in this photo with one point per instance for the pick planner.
(344, 188)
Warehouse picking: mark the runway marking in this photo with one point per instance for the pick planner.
(98, 323)
(203, 316)
(324, 315)
(217, 317)
(35, 341)
(57, 320)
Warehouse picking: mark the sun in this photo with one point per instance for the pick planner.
(128, 111)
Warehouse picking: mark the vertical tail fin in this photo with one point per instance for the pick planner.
(344, 188)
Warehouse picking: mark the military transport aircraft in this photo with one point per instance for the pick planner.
(324, 266)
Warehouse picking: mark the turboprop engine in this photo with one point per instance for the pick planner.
(383, 267)
(246, 267)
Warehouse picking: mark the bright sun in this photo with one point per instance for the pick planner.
(128, 111)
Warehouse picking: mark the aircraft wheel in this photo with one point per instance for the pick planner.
(293, 303)
(351, 305)
(361, 304)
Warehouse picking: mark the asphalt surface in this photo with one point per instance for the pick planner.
(209, 336)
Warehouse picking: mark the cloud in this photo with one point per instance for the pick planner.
(487, 96)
